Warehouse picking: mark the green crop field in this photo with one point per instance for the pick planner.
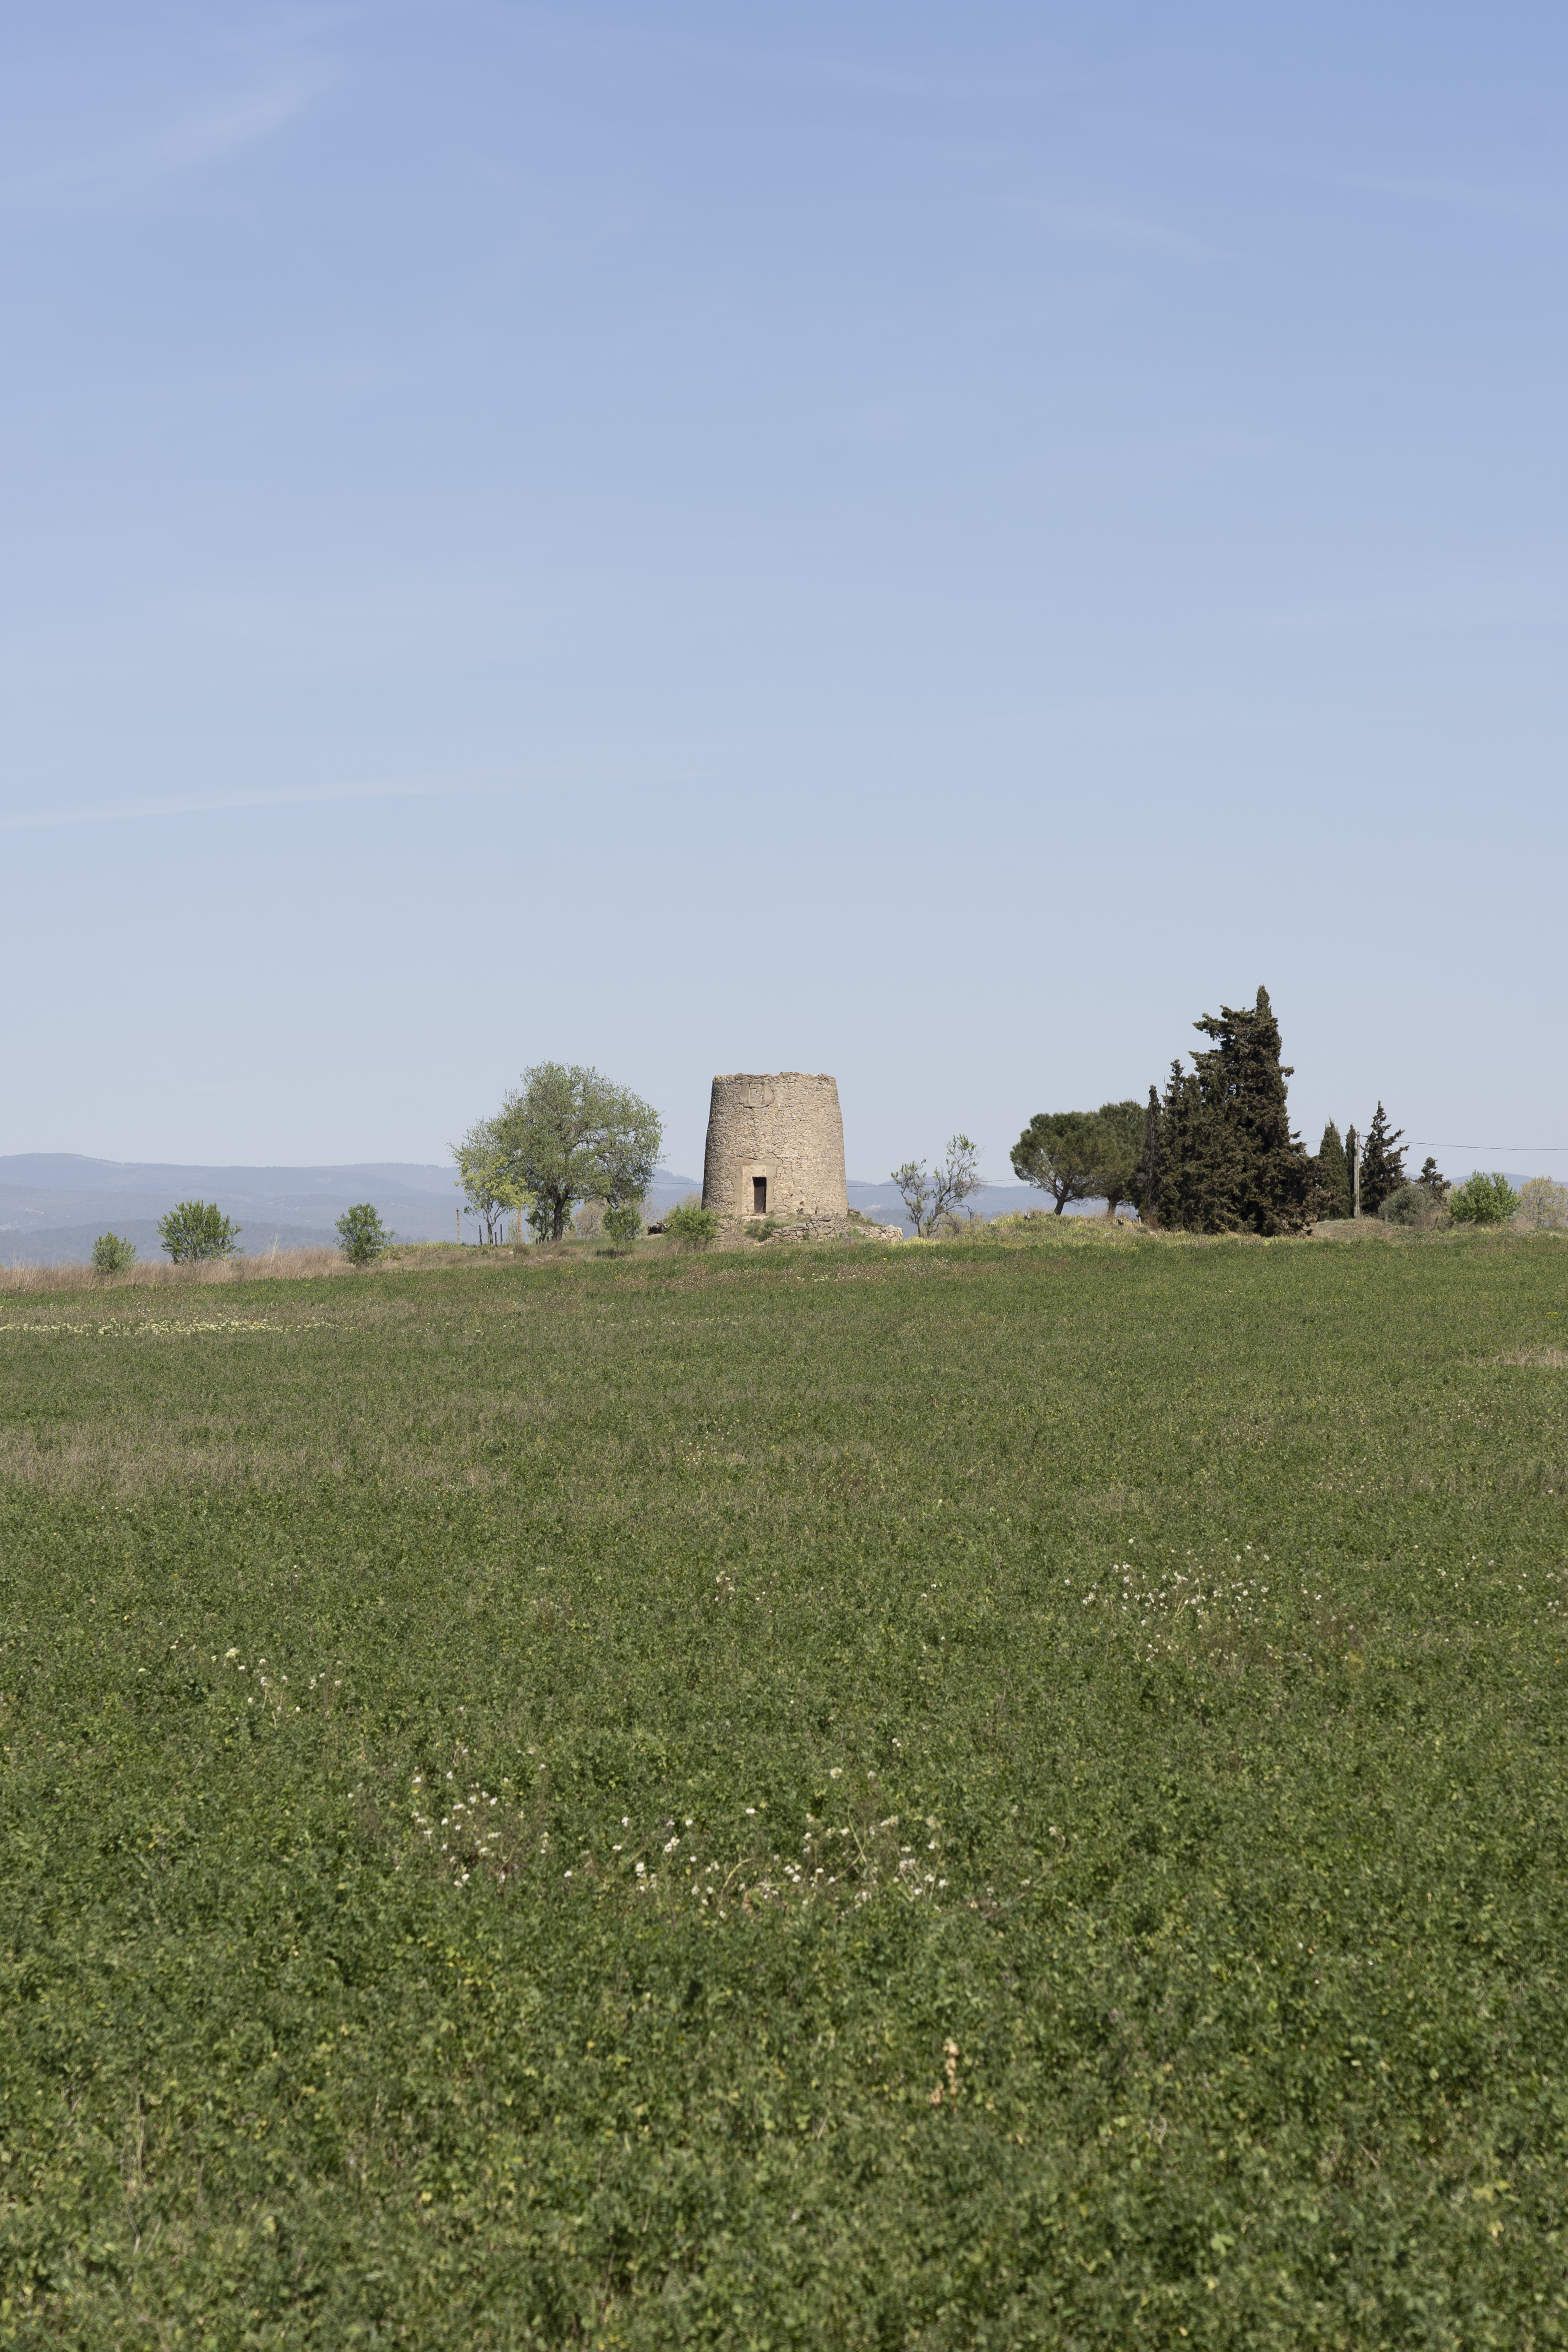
(960, 1795)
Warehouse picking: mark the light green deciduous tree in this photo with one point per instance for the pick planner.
(487, 1180)
(361, 1236)
(197, 1230)
(569, 1134)
(1483, 1200)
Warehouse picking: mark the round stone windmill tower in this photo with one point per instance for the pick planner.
(775, 1147)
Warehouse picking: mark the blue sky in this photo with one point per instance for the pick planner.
(935, 544)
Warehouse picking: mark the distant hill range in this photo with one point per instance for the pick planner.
(54, 1204)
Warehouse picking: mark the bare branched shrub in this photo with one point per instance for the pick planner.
(1543, 1206)
(932, 1201)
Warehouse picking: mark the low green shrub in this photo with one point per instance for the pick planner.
(622, 1222)
(1412, 1204)
(111, 1254)
(361, 1236)
(194, 1231)
(1483, 1200)
(698, 1227)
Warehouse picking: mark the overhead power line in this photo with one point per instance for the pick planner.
(1427, 1143)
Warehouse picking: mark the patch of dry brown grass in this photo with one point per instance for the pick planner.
(270, 1266)
(1034, 1226)
(285, 1265)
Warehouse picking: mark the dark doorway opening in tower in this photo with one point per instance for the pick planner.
(759, 1196)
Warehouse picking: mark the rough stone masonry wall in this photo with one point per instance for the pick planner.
(786, 1128)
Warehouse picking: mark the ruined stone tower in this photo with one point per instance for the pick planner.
(775, 1147)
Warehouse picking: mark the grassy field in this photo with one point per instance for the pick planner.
(954, 1796)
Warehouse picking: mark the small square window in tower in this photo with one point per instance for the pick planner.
(759, 1196)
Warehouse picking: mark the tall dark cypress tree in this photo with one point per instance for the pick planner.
(1275, 1192)
(1382, 1164)
(1332, 1172)
(1181, 1150)
(1152, 1171)
(1232, 1164)
(1352, 1145)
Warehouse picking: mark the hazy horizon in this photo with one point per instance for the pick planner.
(53, 1206)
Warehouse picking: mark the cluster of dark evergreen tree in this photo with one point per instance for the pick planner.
(1383, 1170)
(1219, 1152)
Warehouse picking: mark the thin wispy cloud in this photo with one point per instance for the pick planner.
(877, 80)
(1539, 206)
(604, 39)
(1430, 190)
(1527, 206)
(380, 788)
(156, 804)
(201, 139)
(1089, 224)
